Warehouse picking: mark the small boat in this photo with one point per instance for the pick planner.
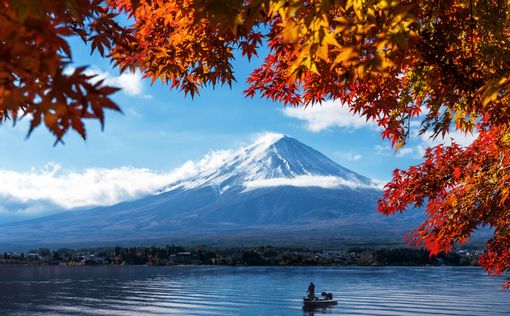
(318, 302)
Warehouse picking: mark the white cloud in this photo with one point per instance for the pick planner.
(130, 82)
(378, 184)
(426, 140)
(418, 143)
(52, 187)
(326, 115)
(457, 136)
(266, 138)
(213, 160)
(328, 182)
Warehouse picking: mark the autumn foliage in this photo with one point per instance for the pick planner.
(34, 54)
(444, 64)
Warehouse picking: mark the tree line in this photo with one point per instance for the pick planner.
(254, 256)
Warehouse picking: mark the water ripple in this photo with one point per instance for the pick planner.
(248, 291)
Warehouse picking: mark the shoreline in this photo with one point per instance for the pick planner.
(260, 256)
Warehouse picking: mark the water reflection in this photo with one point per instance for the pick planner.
(312, 311)
(132, 290)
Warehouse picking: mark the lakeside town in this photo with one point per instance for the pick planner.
(264, 255)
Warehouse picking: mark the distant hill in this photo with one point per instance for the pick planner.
(278, 190)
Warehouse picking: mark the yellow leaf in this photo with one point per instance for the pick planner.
(358, 7)
(290, 32)
(490, 95)
(506, 138)
(347, 54)
(323, 52)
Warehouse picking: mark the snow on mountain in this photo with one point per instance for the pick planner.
(273, 160)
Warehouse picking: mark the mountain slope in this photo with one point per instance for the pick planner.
(274, 186)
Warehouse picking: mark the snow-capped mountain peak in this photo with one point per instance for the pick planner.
(272, 160)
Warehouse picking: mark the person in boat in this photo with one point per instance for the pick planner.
(311, 291)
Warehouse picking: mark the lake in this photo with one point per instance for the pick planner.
(214, 290)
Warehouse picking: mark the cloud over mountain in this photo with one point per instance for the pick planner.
(42, 190)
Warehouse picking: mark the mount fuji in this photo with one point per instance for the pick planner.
(277, 190)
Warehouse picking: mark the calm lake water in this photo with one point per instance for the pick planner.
(131, 290)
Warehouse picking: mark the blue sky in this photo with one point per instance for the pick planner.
(161, 130)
